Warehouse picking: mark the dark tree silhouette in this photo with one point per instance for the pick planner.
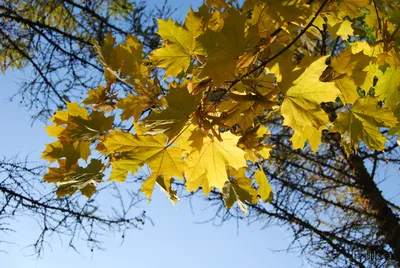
(332, 205)
(23, 195)
(55, 39)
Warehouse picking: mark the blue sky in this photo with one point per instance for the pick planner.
(176, 240)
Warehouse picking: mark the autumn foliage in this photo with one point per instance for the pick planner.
(199, 103)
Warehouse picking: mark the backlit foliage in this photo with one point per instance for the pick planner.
(197, 104)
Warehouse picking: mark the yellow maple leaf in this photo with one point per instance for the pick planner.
(170, 121)
(100, 99)
(82, 129)
(74, 109)
(262, 20)
(54, 130)
(210, 163)
(285, 70)
(75, 129)
(388, 86)
(56, 174)
(344, 30)
(71, 151)
(132, 106)
(241, 109)
(217, 3)
(351, 8)
(331, 20)
(301, 105)
(238, 113)
(194, 23)
(252, 143)
(148, 186)
(60, 117)
(215, 20)
(163, 159)
(371, 18)
(264, 188)
(131, 56)
(263, 84)
(82, 179)
(121, 165)
(123, 59)
(223, 48)
(349, 73)
(362, 123)
(277, 13)
(179, 47)
(107, 55)
(71, 179)
(309, 133)
(396, 130)
(239, 190)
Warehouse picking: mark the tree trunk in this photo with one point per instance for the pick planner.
(387, 221)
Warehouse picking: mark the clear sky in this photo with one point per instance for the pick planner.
(176, 240)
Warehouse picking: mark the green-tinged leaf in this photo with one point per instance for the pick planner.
(170, 121)
(70, 180)
(223, 48)
(362, 123)
(179, 47)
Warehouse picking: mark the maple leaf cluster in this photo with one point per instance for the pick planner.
(198, 103)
